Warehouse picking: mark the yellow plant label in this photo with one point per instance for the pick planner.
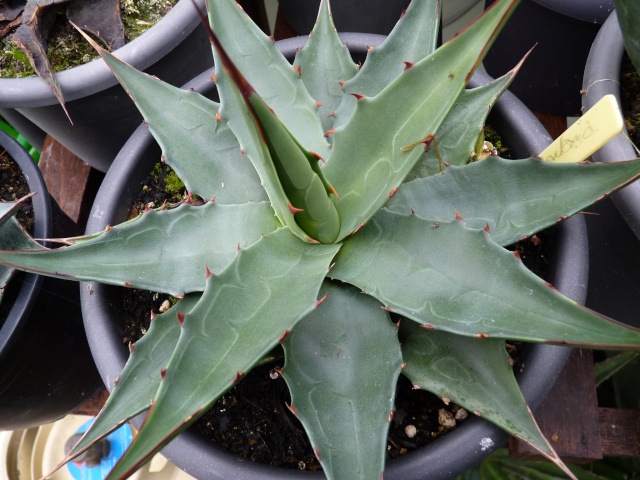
(591, 131)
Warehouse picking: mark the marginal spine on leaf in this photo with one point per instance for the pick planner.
(295, 210)
(238, 376)
(284, 335)
(292, 409)
(319, 302)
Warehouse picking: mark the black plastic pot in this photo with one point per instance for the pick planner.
(443, 459)
(46, 368)
(348, 15)
(562, 32)
(176, 49)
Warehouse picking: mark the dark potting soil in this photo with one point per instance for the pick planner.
(252, 419)
(13, 186)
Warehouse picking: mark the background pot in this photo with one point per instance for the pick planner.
(46, 368)
(446, 457)
(371, 16)
(561, 31)
(175, 49)
(614, 233)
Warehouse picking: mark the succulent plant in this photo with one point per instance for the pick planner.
(28, 24)
(340, 200)
(628, 14)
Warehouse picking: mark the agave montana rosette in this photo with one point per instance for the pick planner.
(368, 174)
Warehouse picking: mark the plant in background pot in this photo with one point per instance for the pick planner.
(46, 369)
(103, 116)
(344, 222)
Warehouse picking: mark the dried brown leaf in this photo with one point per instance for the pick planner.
(102, 18)
(30, 37)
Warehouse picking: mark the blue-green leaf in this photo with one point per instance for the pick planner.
(342, 364)
(449, 277)
(243, 313)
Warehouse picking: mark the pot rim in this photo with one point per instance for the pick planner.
(95, 76)
(592, 11)
(43, 226)
(444, 458)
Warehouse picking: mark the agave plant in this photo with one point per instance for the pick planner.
(341, 200)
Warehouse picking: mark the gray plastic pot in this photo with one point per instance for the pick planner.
(448, 456)
(562, 32)
(602, 77)
(371, 16)
(176, 49)
(614, 233)
(46, 368)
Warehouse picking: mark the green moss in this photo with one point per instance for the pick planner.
(169, 181)
(490, 135)
(140, 15)
(630, 99)
(67, 48)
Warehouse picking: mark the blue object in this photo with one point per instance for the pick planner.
(120, 439)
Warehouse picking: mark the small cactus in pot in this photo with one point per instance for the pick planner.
(339, 201)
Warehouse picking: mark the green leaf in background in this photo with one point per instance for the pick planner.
(342, 365)
(613, 364)
(500, 466)
(628, 12)
(627, 387)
